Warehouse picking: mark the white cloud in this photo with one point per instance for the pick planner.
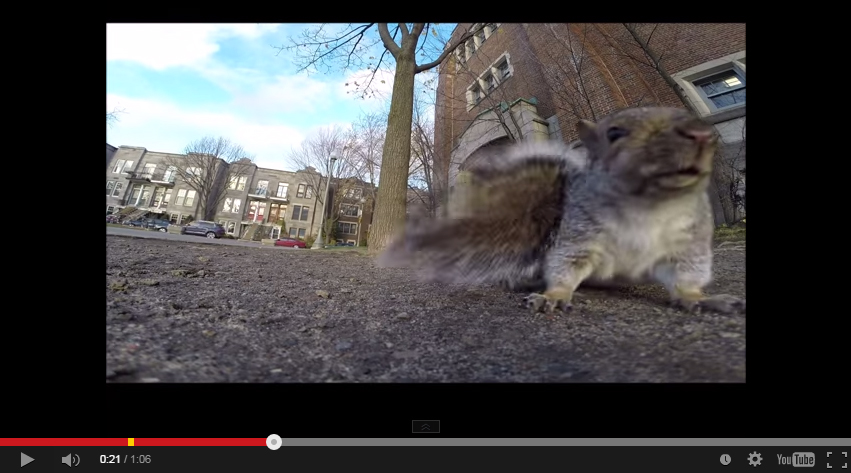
(294, 94)
(160, 46)
(160, 126)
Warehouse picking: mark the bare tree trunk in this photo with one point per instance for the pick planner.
(393, 176)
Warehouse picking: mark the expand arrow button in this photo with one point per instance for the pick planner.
(425, 427)
(26, 459)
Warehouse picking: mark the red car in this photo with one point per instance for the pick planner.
(291, 242)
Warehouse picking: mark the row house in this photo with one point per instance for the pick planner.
(142, 179)
(353, 203)
(272, 198)
(110, 152)
(280, 202)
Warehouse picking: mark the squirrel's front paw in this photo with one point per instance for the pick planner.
(548, 302)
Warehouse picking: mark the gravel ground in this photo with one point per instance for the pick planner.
(187, 312)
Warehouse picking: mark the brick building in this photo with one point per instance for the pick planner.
(515, 81)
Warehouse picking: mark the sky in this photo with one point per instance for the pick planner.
(176, 83)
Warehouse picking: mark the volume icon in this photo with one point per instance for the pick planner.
(71, 460)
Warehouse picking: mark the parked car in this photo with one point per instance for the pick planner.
(158, 224)
(291, 242)
(203, 228)
(135, 223)
(343, 243)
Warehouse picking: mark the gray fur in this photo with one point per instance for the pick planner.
(633, 209)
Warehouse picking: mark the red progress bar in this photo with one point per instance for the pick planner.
(39, 442)
(138, 442)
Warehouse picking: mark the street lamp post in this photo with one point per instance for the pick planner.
(320, 239)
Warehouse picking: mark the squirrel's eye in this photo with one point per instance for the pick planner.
(614, 133)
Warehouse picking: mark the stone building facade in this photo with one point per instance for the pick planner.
(255, 203)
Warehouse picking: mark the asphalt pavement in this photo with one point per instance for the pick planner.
(139, 233)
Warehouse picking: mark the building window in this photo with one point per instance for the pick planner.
(110, 209)
(170, 173)
(228, 205)
(722, 90)
(349, 210)
(300, 192)
(283, 187)
(122, 166)
(149, 170)
(182, 218)
(140, 196)
(504, 70)
(159, 192)
(181, 197)
(276, 212)
(174, 218)
(475, 95)
(715, 85)
(492, 78)
(308, 193)
(262, 188)
(354, 193)
(193, 171)
(256, 210)
(230, 228)
(347, 228)
(300, 212)
(302, 233)
(166, 197)
(237, 183)
(480, 35)
(190, 198)
(110, 187)
(460, 53)
(116, 192)
(293, 232)
(471, 46)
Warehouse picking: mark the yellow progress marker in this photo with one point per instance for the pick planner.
(130, 442)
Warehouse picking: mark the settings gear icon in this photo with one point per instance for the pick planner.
(754, 459)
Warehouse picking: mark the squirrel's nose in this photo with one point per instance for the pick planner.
(699, 136)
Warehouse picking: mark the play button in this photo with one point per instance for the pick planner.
(26, 459)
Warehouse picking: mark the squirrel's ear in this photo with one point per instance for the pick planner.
(587, 132)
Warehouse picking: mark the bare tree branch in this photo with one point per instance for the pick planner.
(207, 167)
(112, 117)
(389, 43)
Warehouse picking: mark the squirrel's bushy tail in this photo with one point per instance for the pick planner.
(465, 250)
(505, 222)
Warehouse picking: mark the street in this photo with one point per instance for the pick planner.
(138, 233)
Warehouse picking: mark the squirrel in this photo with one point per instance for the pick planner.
(628, 202)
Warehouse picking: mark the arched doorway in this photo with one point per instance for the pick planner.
(458, 191)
